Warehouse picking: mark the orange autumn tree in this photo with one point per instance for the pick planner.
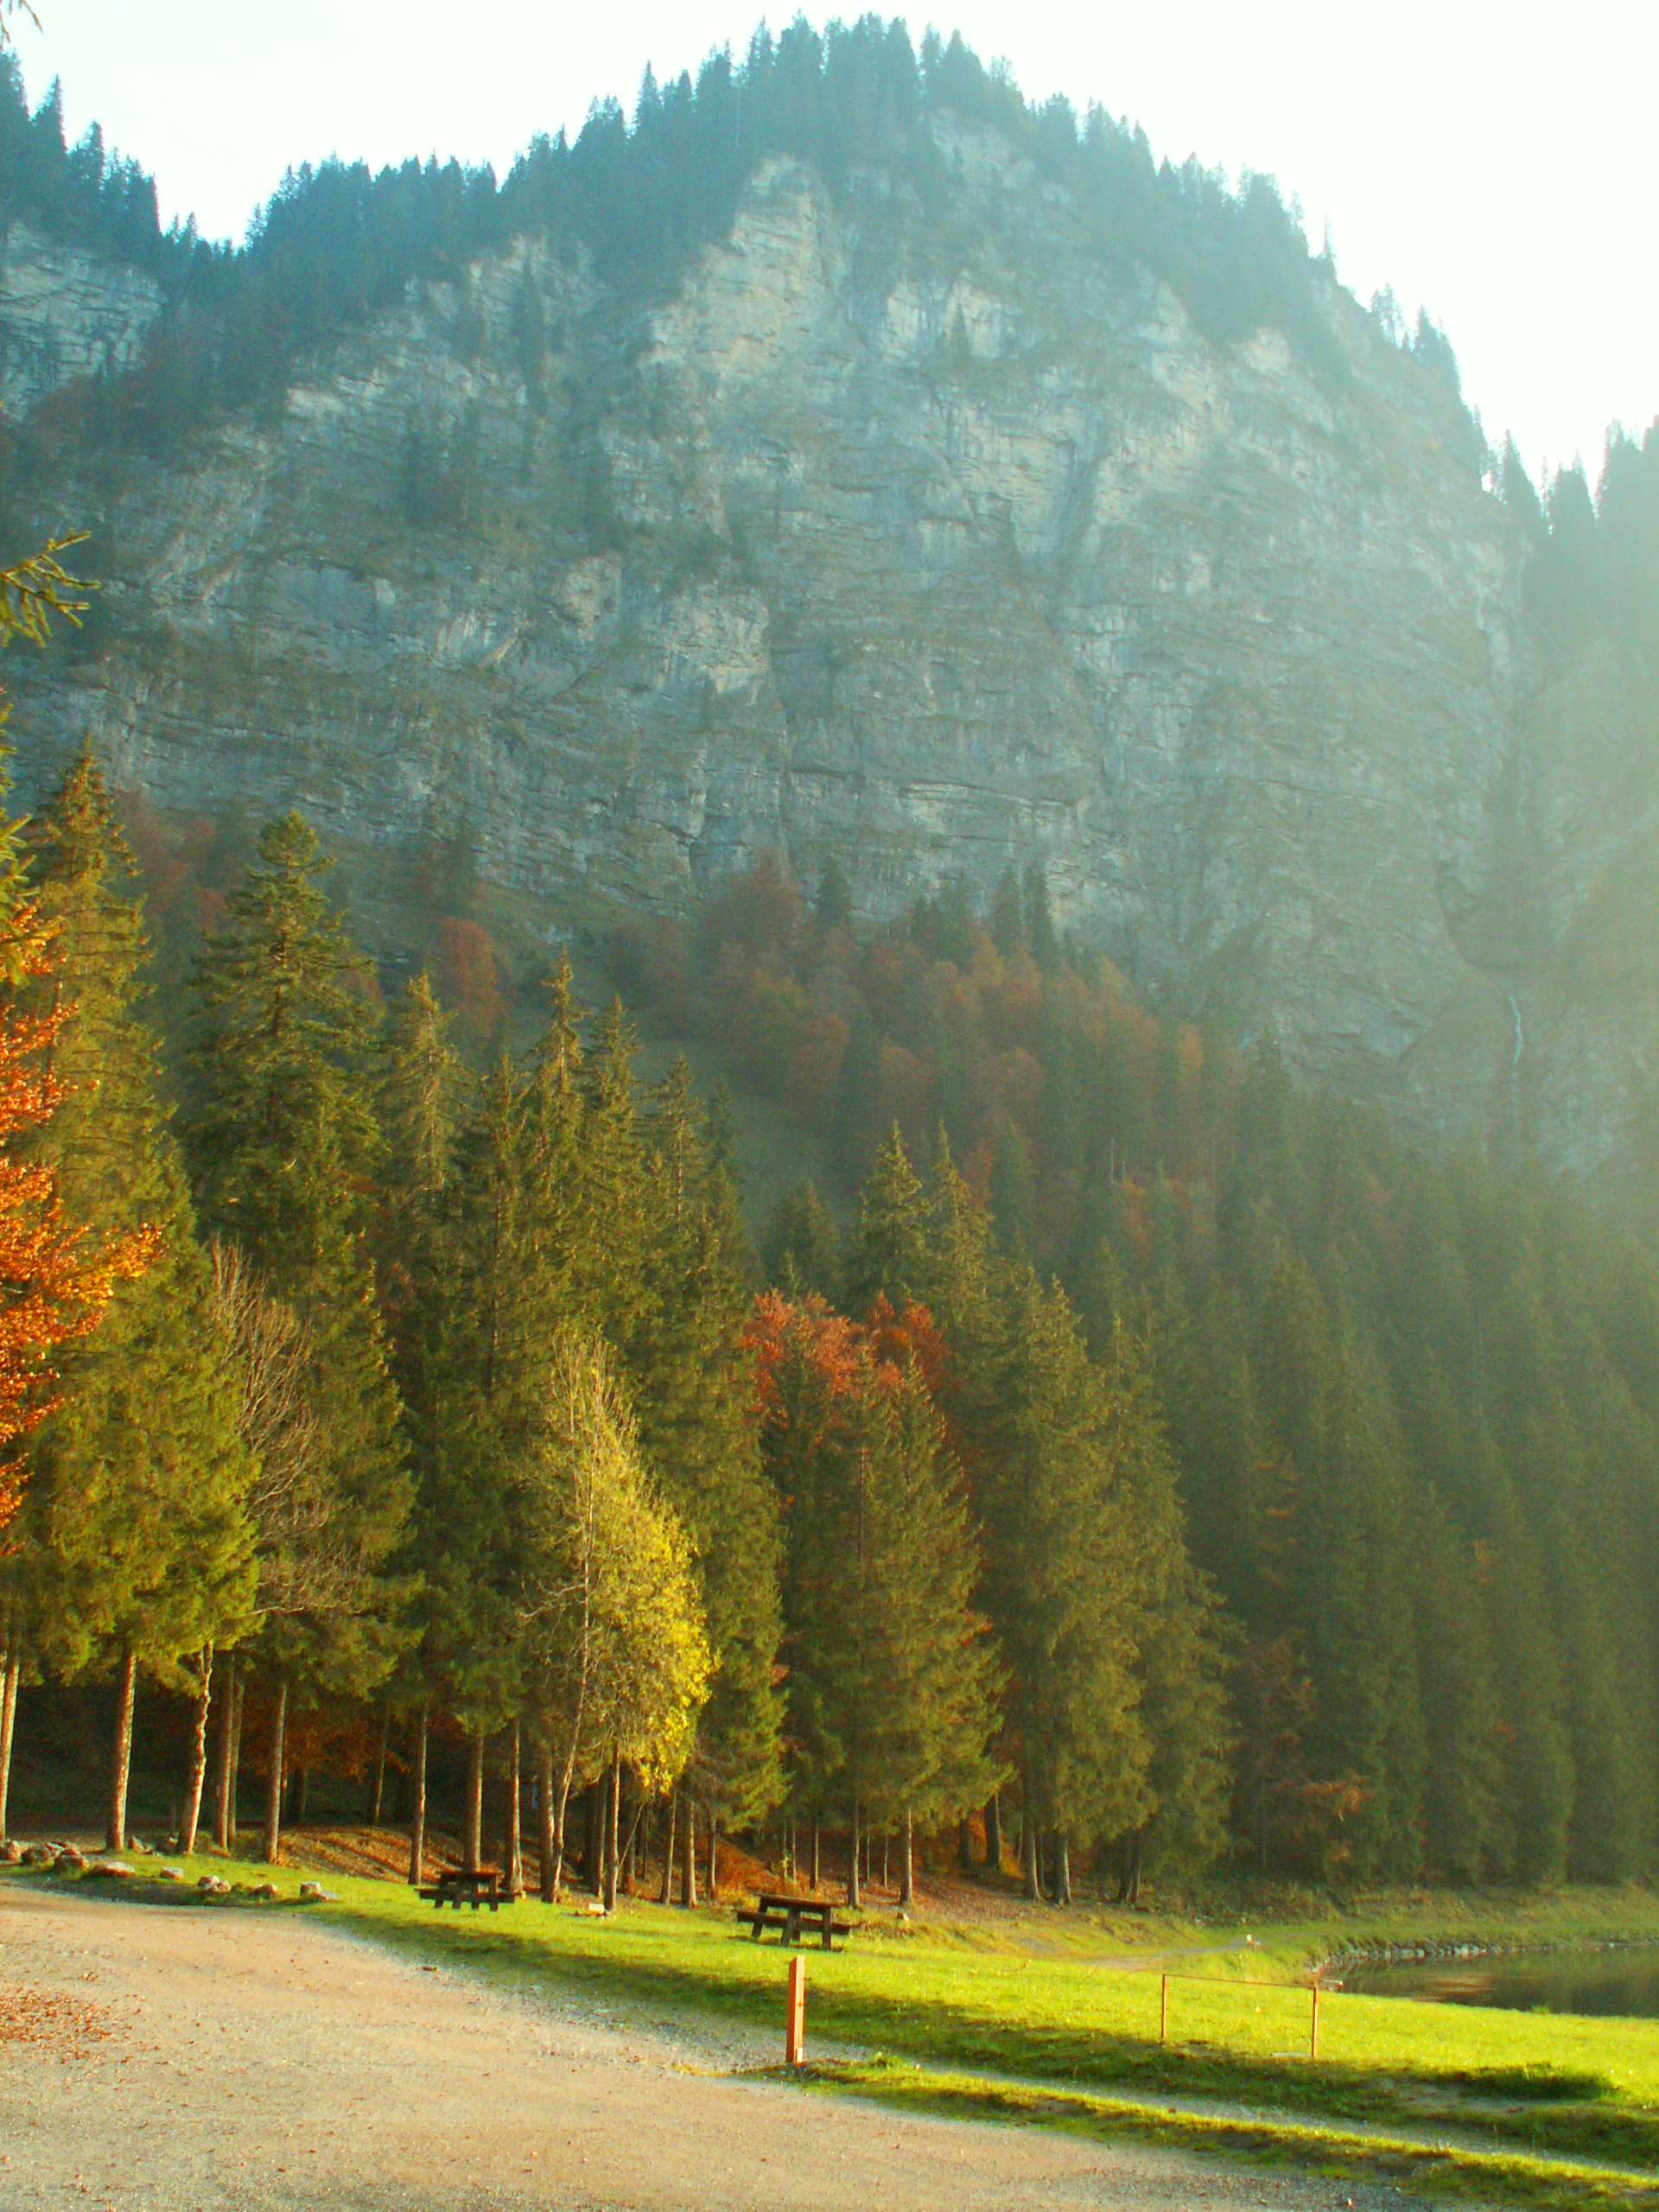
(892, 1679)
(56, 1276)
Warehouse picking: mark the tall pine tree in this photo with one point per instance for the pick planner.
(281, 1138)
(137, 1515)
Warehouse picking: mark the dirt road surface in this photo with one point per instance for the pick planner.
(180, 2059)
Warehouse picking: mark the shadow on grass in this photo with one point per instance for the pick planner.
(1515, 2175)
(937, 2054)
(1559, 2112)
(1530, 2084)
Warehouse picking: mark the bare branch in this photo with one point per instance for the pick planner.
(307, 1563)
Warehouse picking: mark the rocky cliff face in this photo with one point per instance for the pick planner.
(64, 315)
(932, 544)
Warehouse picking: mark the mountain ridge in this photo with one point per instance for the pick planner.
(930, 540)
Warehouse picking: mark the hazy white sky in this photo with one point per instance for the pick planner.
(1493, 162)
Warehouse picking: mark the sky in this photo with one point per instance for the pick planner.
(1491, 163)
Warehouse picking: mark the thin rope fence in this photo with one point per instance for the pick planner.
(1227, 1981)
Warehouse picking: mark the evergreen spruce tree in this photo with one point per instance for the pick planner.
(1465, 1834)
(800, 1257)
(560, 1203)
(611, 1279)
(891, 1682)
(1014, 1201)
(886, 1254)
(1360, 1637)
(1540, 1782)
(723, 1190)
(689, 1379)
(933, 1713)
(1008, 917)
(855, 1111)
(280, 1131)
(1063, 1587)
(141, 1549)
(832, 905)
(957, 1282)
(488, 1408)
(1181, 1642)
(807, 1363)
(421, 1099)
(1039, 921)
(280, 1137)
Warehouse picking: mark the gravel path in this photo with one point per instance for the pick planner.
(172, 2059)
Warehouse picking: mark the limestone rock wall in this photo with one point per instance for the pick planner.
(63, 315)
(934, 544)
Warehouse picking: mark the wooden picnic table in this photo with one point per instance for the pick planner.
(789, 1915)
(472, 1885)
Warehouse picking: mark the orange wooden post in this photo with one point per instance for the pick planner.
(795, 2018)
(1163, 2008)
(1313, 2032)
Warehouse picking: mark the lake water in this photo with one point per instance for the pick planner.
(1620, 1982)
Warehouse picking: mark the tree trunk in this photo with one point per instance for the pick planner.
(817, 1840)
(612, 1838)
(418, 1818)
(512, 1858)
(853, 1896)
(994, 1833)
(238, 1701)
(544, 1816)
(9, 1717)
(473, 1839)
(274, 1780)
(595, 1868)
(666, 1894)
(1133, 1856)
(227, 1747)
(631, 1849)
(688, 1857)
(907, 1863)
(562, 1814)
(379, 1798)
(964, 1845)
(198, 1757)
(1028, 1855)
(301, 1796)
(1062, 1867)
(713, 1857)
(121, 1753)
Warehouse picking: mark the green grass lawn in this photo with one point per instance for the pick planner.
(1053, 2018)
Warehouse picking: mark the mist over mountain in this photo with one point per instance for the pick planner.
(849, 461)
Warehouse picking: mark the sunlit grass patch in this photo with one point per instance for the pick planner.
(1017, 2019)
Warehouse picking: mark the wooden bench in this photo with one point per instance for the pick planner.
(789, 1915)
(472, 1885)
